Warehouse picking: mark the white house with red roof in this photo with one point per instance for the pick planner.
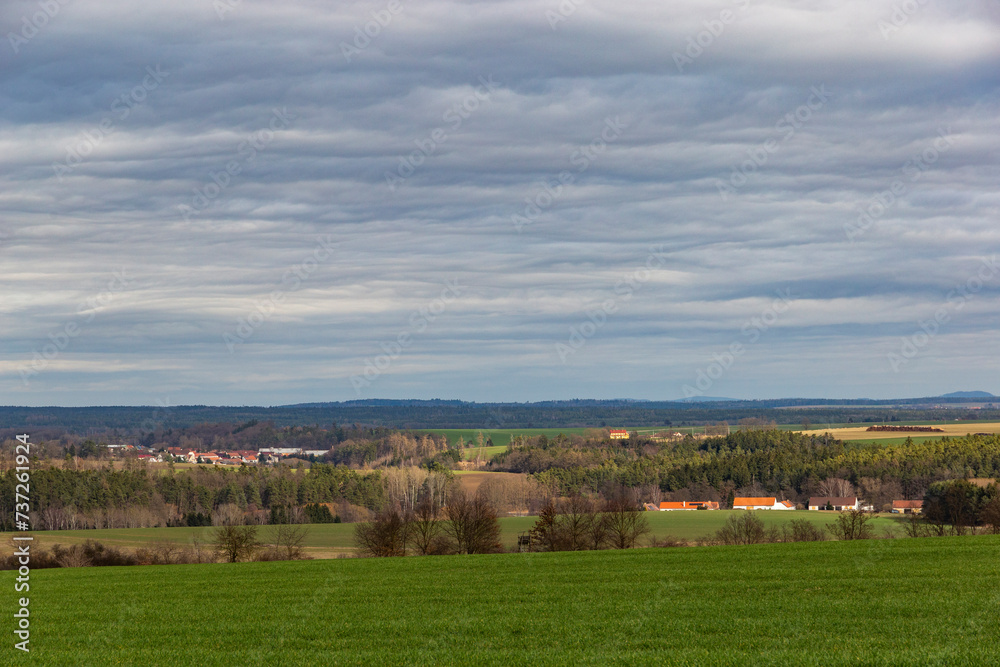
(762, 503)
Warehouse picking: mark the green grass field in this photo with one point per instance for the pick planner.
(328, 540)
(324, 540)
(502, 437)
(487, 453)
(926, 601)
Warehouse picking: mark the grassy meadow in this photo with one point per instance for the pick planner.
(848, 432)
(930, 601)
(330, 540)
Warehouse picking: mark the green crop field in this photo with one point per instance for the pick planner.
(929, 601)
(690, 525)
(324, 540)
(487, 453)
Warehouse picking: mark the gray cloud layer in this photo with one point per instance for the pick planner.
(617, 196)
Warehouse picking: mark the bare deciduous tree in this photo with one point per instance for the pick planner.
(227, 515)
(383, 537)
(624, 521)
(990, 515)
(508, 493)
(236, 543)
(851, 525)
(834, 487)
(288, 540)
(572, 524)
(425, 529)
(745, 528)
(472, 525)
(880, 493)
(801, 530)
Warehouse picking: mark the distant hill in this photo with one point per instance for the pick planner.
(968, 394)
(707, 399)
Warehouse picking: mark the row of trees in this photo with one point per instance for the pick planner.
(465, 525)
(469, 525)
(958, 507)
(578, 523)
(68, 498)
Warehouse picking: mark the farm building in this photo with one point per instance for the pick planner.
(180, 452)
(907, 506)
(281, 451)
(619, 434)
(688, 505)
(771, 503)
(839, 504)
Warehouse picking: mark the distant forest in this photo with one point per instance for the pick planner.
(458, 414)
(366, 470)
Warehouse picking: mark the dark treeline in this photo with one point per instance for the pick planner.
(774, 462)
(459, 414)
(351, 445)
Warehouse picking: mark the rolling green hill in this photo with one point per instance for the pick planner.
(906, 601)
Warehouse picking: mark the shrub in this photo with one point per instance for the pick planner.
(236, 543)
(801, 530)
(747, 528)
(668, 541)
(851, 525)
(384, 537)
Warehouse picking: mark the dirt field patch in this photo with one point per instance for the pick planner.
(471, 480)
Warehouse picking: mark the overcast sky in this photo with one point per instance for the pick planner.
(263, 202)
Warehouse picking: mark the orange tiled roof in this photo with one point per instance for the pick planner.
(682, 505)
(907, 504)
(753, 501)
